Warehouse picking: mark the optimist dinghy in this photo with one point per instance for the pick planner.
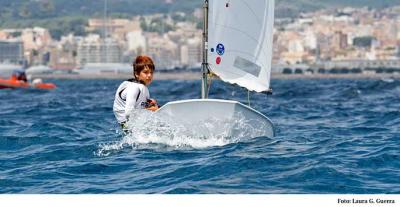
(237, 47)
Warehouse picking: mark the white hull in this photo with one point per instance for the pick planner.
(217, 118)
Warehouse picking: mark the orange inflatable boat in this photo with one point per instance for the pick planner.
(14, 83)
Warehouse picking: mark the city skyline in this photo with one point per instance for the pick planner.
(324, 39)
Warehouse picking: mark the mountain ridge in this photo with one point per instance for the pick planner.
(64, 16)
(39, 9)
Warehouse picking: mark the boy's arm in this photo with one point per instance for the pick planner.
(131, 96)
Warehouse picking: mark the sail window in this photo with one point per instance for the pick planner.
(247, 66)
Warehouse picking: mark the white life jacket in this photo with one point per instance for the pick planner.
(130, 95)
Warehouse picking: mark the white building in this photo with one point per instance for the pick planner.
(11, 51)
(191, 52)
(136, 41)
(295, 46)
(184, 55)
(35, 38)
(94, 49)
(310, 40)
(163, 51)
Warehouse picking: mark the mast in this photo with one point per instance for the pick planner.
(105, 31)
(105, 19)
(204, 64)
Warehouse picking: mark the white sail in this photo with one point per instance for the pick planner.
(240, 39)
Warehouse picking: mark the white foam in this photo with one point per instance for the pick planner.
(148, 129)
(388, 80)
(151, 128)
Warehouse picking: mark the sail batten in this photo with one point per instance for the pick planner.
(240, 41)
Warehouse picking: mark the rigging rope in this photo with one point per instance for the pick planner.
(209, 79)
(248, 97)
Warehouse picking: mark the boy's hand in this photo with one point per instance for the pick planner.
(153, 106)
(152, 102)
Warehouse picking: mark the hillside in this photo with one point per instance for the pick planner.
(63, 16)
(285, 8)
(39, 9)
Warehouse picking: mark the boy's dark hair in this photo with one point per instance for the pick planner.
(141, 62)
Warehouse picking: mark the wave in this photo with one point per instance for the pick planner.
(155, 129)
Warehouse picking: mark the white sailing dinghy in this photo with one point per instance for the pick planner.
(237, 45)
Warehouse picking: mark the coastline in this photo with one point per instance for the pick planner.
(335, 76)
(197, 76)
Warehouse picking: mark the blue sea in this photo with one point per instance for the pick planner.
(332, 136)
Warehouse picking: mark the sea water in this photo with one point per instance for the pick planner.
(332, 136)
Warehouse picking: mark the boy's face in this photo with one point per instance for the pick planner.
(146, 76)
